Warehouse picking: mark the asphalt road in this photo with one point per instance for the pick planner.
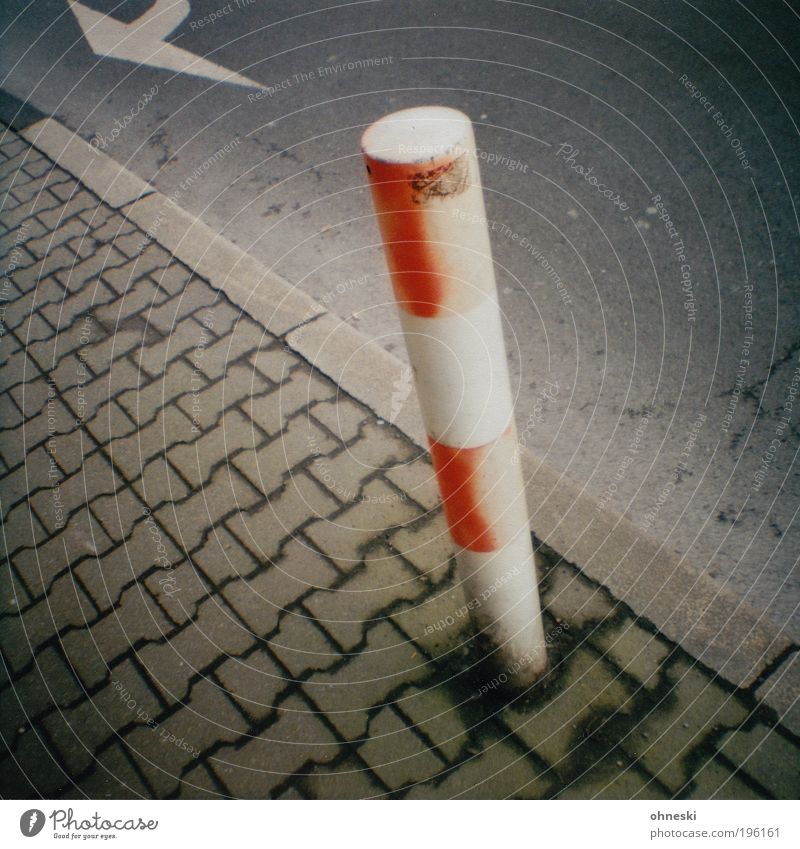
(648, 151)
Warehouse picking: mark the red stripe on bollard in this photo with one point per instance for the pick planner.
(457, 471)
(420, 287)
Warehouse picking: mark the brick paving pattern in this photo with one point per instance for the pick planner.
(226, 578)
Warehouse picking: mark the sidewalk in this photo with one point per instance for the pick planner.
(229, 578)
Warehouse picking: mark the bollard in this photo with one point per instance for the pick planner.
(427, 194)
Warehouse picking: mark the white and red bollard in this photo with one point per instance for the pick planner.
(427, 194)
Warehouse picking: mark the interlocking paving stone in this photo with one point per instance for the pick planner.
(146, 548)
(428, 547)
(272, 363)
(113, 778)
(569, 596)
(49, 682)
(14, 218)
(209, 405)
(17, 366)
(13, 596)
(498, 771)
(81, 537)
(715, 781)
(131, 453)
(66, 606)
(100, 354)
(417, 478)
(375, 450)
(358, 602)
(113, 230)
(694, 707)
(142, 405)
(219, 356)
(178, 591)
(110, 422)
(91, 395)
(783, 686)
(262, 764)
(195, 461)
(169, 276)
(85, 300)
(128, 243)
(189, 521)
(341, 475)
(32, 475)
(266, 467)
(222, 318)
(33, 329)
(193, 297)
(137, 300)
(301, 646)
(214, 633)
(260, 600)
(163, 752)
(95, 478)
(69, 374)
(255, 682)
(123, 276)
(184, 338)
(589, 686)
(78, 733)
(10, 416)
(300, 390)
(78, 201)
(43, 776)
(364, 682)
(344, 538)
(197, 783)
(396, 754)
(341, 416)
(266, 529)
(136, 618)
(761, 753)
(28, 274)
(54, 419)
(347, 779)
(379, 447)
(635, 651)
(159, 483)
(49, 292)
(222, 557)
(432, 712)
(438, 624)
(63, 234)
(612, 782)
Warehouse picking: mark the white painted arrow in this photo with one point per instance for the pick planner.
(142, 41)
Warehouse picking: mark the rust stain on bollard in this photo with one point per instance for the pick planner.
(419, 284)
(444, 181)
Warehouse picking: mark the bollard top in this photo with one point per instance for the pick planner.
(417, 135)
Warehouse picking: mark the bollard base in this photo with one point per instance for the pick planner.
(503, 593)
(516, 664)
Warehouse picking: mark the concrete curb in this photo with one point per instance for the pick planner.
(104, 176)
(711, 623)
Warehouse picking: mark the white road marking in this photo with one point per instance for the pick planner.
(142, 41)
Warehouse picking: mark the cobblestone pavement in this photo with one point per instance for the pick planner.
(226, 578)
